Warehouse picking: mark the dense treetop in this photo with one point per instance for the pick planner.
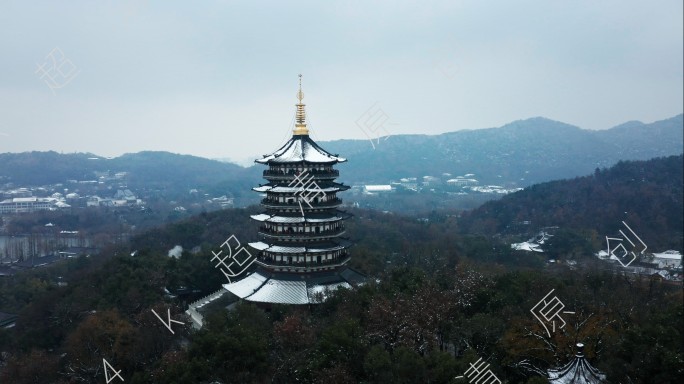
(646, 194)
(439, 297)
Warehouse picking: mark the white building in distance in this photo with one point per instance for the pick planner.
(668, 259)
(31, 204)
(373, 189)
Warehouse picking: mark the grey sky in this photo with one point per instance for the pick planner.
(219, 78)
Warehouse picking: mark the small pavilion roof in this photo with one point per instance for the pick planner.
(577, 371)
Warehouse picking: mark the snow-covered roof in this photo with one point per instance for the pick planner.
(299, 248)
(300, 148)
(298, 218)
(248, 285)
(377, 188)
(602, 254)
(266, 287)
(577, 371)
(668, 255)
(259, 245)
(294, 189)
(526, 246)
(282, 292)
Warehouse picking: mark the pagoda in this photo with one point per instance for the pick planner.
(302, 253)
(577, 371)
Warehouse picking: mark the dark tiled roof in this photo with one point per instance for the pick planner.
(38, 261)
(301, 148)
(7, 319)
(577, 371)
(7, 271)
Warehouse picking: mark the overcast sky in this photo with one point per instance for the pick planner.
(218, 79)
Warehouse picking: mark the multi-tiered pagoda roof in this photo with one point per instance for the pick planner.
(300, 149)
(302, 251)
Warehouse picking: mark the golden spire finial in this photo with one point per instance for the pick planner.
(300, 94)
(300, 126)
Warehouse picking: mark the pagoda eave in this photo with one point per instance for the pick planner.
(301, 248)
(300, 148)
(334, 187)
(275, 219)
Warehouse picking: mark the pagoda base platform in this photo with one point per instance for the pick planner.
(265, 286)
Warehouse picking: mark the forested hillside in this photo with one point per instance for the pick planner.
(443, 291)
(160, 172)
(646, 194)
(441, 301)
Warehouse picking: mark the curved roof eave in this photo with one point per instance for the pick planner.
(300, 149)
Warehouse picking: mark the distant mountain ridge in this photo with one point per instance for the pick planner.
(524, 152)
(521, 153)
(172, 174)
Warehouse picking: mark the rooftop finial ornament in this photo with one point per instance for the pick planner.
(300, 126)
(300, 94)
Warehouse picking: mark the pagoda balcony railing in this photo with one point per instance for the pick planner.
(332, 203)
(295, 234)
(270, 261)
(274, 174)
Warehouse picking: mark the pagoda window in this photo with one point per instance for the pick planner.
(289, 259)
(279, 258)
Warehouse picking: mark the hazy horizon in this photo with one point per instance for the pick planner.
(218, 79)
(249, 160)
